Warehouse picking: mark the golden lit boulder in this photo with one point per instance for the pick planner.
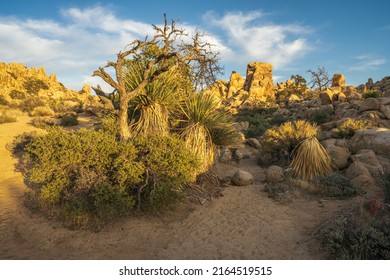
(259, 82)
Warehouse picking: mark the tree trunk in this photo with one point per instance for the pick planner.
(123, 118)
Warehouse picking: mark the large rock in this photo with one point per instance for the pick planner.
(259, 82)
(326, 97)
(369, 160)
(338, 80)
(236, 83)
(253, 142)
(274, 174)
(339, 156)
(242, 178)
(369, 104)
(226, 156)
(376, 139)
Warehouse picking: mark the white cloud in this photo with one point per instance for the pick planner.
(367, 62)
(250, 39)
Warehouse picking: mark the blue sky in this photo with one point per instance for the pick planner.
(74, 38)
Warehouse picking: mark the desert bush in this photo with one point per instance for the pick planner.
(257, 124)
(3, 101)
(320, 116)
(279, 191)
(348, 128)
(358, 235)
(4, 118)
(33, 85)
(30, 103)
(371, 93)
(310, 160)
(42, 122)
(85, 173)
(42, 111)
(335, 185)
(21, 140)
(17, 94)
(68, 120)
(280, 141)
(170, 166)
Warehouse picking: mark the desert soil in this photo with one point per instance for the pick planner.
(242, 224)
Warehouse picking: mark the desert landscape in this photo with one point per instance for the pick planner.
(175, 164)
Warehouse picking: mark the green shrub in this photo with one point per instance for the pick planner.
(69, 120)
(335, 185)
(257, 124)
(371, 93)
(42, 111)
(279, 191)
(280, 141)
(20, 141)
(17, 94)
(348, 128)
(170, 167)
(84, 173)
(88, 177)
(358, 236)
(33, 85)
(4, 118)
(320, 116)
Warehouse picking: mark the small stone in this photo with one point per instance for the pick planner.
(242, 178)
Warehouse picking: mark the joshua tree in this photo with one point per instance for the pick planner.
(170, 49)
(319, 79)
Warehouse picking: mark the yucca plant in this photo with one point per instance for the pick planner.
(310, 160)
(204, 125)
(151, 109)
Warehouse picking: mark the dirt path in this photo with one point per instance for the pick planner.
(243, 224)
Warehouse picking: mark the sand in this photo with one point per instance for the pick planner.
(242, 224)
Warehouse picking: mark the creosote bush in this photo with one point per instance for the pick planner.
(88, 177)
(348, 128)
(69, 120)
(371, 93)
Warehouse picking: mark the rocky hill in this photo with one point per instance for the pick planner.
(18, 83)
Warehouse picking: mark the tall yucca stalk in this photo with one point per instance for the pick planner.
(152, 107)
(310, 160)
(205, 125)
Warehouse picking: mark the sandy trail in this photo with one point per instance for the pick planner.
(243, 224)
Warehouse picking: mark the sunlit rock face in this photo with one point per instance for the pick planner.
(259, 82)
(18, 82)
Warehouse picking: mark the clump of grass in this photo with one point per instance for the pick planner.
(310, 160)
(348, 128)
(4, 118)
(43, 122)
(42, 111)
(257, 123)
(320, 116)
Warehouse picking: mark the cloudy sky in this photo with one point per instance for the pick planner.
(74, 38)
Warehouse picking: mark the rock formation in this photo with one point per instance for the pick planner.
(19, 82)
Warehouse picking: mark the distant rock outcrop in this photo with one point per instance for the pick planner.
(17, 82)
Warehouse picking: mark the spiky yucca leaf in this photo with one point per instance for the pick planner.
(310, 160)
(152, 107)
(205, 125)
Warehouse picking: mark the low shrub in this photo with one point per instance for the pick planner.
(320, 116)
(371, 93)
(348, 128)
(42, 122)
(4, 118)
(30, 103)
(42, 111)
(279, 191)
(335, 185)
(69, 120)
(280, 141)
(257, 124)
(170, 166)
(358, 235)
(20, 141)
(17, 94)
(33, 85)
(3, 101)
(88, 177)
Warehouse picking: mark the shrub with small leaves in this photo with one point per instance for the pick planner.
(42, 111)
(69, 120)
(33, 85)
(320, 116)
(348, 128)
(371, 93)
(17, 94)
(335, 185)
